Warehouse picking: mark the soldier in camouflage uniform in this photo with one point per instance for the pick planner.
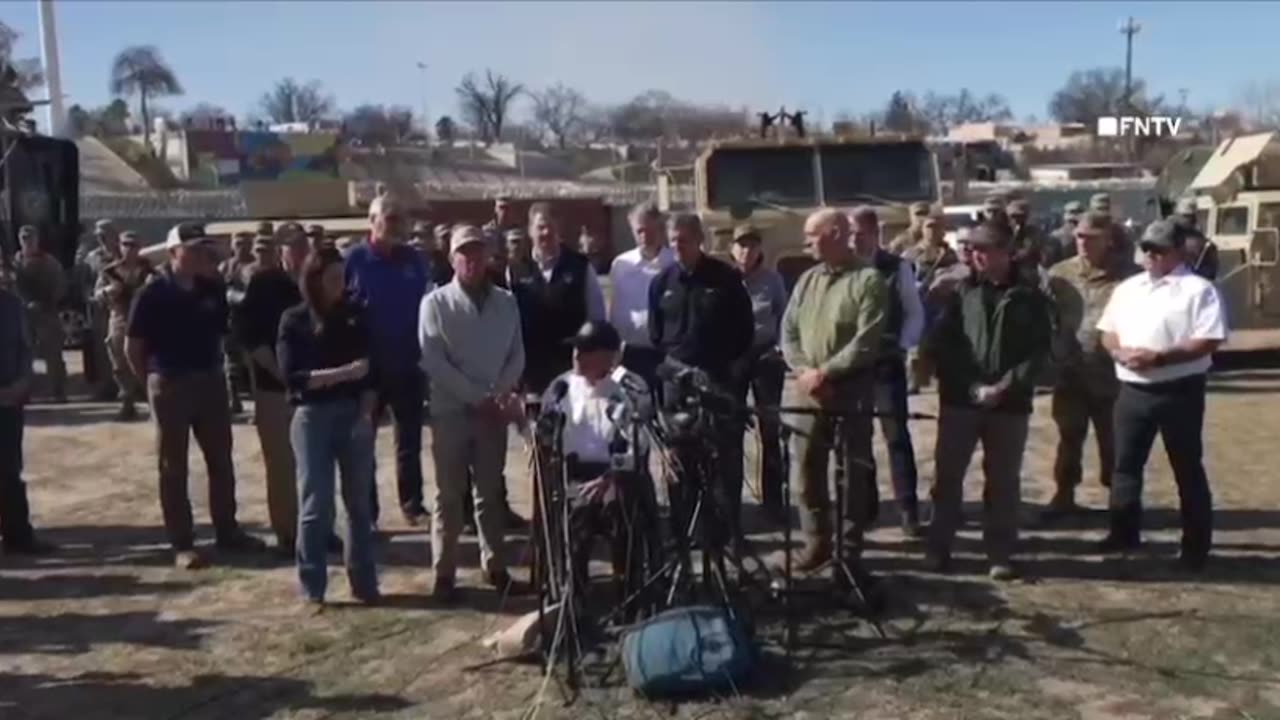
(1028, 244)
(993, 209)
(42, 284)
(1061, 243)
(1121, 244)
(1085, 388)
(933, 259)
(118, 283)
(914, 233)
(235, 273)
(1201, 252)
(89, 270)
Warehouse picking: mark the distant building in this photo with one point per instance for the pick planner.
(1063, 136)
(1085, 171)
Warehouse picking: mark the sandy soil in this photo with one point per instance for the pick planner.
(106, 628)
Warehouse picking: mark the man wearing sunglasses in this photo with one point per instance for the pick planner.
(1162, 327)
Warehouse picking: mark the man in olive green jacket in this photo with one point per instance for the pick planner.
(1085, 385)
(988, 347)
(831, 337)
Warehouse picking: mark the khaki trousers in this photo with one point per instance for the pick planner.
(47, 340)
(183, 405)
(462, 442)
(273, 416)
(130, 388)
(1004, 438)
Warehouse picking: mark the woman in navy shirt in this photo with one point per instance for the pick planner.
(324, 354)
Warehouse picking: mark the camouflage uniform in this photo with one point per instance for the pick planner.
(1121, 243)
(42, 284)
(117, 285)
(1061, 243)
(914, 234)
(1085, 386)
(235, 273)
(88, 270)
(1201, 252)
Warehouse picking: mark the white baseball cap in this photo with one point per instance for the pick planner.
(185, 234)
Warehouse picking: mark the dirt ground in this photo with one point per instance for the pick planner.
(106, 628)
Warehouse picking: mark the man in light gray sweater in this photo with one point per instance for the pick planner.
(472, 350)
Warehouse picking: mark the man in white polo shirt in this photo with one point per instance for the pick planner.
(1162, 327)
(630, 276)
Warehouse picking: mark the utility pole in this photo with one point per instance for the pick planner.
(56, 119)
(426, 119)
(1128, 28)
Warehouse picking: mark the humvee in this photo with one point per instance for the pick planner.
(1237, 196)
(775, 183)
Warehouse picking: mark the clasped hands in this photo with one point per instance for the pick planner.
(501, 407)
(1136, 358)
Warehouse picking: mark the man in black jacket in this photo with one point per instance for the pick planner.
(700, 316)
(988, 347)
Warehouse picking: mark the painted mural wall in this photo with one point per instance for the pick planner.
(221, 159)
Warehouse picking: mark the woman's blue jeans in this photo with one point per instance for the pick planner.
(329, 438)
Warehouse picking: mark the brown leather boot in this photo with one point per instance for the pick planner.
(815, 553)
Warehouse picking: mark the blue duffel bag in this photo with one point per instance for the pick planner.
(687, 651)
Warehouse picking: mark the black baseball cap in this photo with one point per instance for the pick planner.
(596, 335)
(1164, 234)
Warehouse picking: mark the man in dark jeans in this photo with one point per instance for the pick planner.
(15, 384)
(1162, 327)
(389, 279)
(903, 325)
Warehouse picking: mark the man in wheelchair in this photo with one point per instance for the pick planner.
(604, 408)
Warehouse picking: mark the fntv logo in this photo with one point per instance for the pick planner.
(1138, 126)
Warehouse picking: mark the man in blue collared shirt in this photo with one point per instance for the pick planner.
(389, 279)
(15, 384)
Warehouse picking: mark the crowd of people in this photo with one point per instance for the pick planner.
(452, 327)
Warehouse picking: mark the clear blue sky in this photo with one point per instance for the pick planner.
(824, 57)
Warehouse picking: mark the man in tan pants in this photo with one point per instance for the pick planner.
(117, 284)
(271, 291)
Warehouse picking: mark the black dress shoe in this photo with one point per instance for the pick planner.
(240, 542)
(514, 521)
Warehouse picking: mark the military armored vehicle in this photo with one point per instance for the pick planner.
(775, 183)
(1237, 197)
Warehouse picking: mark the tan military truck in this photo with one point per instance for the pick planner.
(1237, 195)
(774, 183)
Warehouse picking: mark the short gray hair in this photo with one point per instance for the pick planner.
(382, 201)
(644, 211)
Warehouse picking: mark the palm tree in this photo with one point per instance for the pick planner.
(140, 70)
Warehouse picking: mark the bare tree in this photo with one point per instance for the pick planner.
(140, 70)
(1090, 94)
(942, 112)
(1259, 104)
(28, 71)
(656, 114)
(290, 102)
(559, 112)
(487, 106)
(377, 124)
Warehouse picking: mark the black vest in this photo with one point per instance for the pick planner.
(888, 264)
(551, 312)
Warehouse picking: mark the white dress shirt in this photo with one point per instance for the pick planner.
(630, 275)
(1161, 313)
(912, 308)
(594, 413)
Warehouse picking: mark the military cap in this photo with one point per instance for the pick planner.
(421, 227)
(919, 208)
(1101, 202)
(1019, 207)
(994, 202)
(315, 231)
(1094, 223)
(1186, 206)
(1165, 234)
(989, 234)
(1075, 207)
(266, 228)
(746, 234)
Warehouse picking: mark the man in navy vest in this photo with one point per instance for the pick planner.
(904, 323)
(389, 279)
(557, 291)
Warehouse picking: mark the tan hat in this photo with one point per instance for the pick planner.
(464, 235)
(1094, 223)
(1100, 202)
(745, 234)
